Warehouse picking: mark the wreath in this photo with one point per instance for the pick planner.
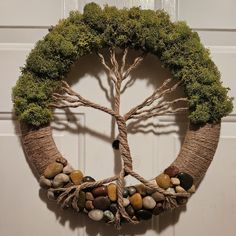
(42, 87)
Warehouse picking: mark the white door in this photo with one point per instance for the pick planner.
(85, 136)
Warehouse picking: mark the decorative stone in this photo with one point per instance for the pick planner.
(179, 189)
(149, 202)
(88, 179)
(163, 181)
(125, 192)
(141, 188)
(60, 180)
(52, 170)
(116, 144)
(136, 201)
(108, 216)
(171, 190)
(151, 190)
(89, 196)
(158, 209)
(130, 210)
(81, 200)
(45, 183)
(62, 160)
(126, 202)
(182, 200)
(113, 208)
(112, 192)
(95, 215)
(192, 189)
(186, 180)
(99, 191)
(68, 169)
(89, 205)
(51, 195)
(175, 181)
(172, 171)
(132, 190)
(76, 177)
(158, 197)
(144, 214)
(102, 203)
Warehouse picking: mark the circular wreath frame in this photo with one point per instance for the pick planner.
(179, 50)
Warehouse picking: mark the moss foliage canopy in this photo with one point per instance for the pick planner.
(175, 44)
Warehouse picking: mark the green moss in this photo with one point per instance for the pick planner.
(177, 46)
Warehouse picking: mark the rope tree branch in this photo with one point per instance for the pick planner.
(153, 105)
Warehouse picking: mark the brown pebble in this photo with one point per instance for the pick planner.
(112, 192)
(172, 171)
(89, 205)
(136, 201)
(102, 203)
(89, 196)
(163, 181)
(158, 209)
(76, 177)
(99, 191)
(130, 210)
(52, 170)
(81, 200)
(158, 197)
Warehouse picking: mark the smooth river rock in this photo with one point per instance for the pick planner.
(132, 190)
(89, 205)
(60, 180)
(89, 196)
(95, 215)
(130, 210)
(88, 179)
(52, 170)
(76, 177)
(108, 216)
(99, 191)
(158, 197)
(186, 180)
(179, 189)
(163, 181)
(45, 183)
(102, 203)
(149, 202)
(68, 169)
(112, 192)
(136, 201)
(158, 209)
(141, 188)
(126, 202)
(144, 214)
(81, 200)
(172, 171)
(175, 181)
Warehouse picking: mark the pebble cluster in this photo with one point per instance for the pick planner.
(100, 203)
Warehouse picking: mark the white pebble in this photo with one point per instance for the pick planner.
(95, 215)
(68, 169)
(126, 202)
(179, 189)
(175, 181)
(149, 202)
(45, 183)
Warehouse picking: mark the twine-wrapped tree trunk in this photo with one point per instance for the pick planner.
(194, 158)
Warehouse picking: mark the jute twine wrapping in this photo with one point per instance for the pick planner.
(194, 158)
